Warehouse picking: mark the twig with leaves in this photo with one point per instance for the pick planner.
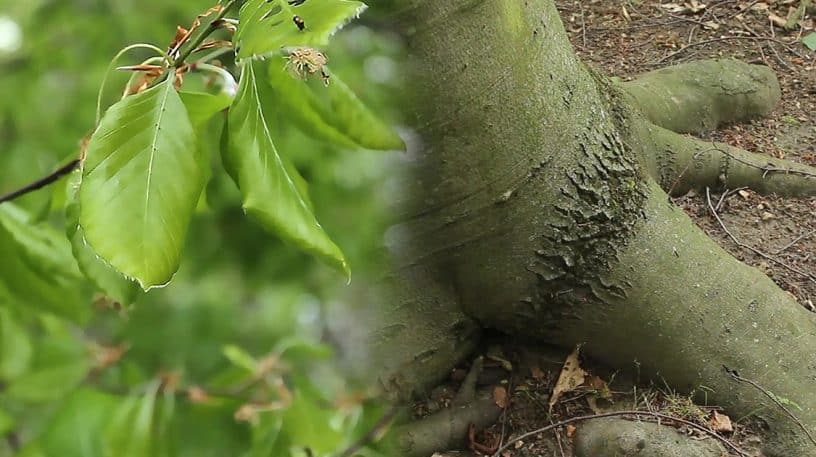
(177, 63)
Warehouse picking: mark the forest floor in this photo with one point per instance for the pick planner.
(776, 235)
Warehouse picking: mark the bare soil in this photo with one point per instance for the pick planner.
(776, 235)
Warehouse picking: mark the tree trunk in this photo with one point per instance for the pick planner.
(537, 209)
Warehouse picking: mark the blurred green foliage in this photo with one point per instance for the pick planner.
(230, 358)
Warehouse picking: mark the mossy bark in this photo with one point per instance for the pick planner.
(700, 96)
(537, 210)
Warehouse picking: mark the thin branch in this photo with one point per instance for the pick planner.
(796, 240)
(212, 27)
(571, 420)
(725, 38)
(773, 398)
(42, 182)
(749, 247)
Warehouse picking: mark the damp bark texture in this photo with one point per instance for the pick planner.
(539, 207)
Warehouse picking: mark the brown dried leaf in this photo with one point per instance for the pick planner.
(537, 373)
(500, 397)
(196, 394)
(711, 25)
(721, 423)
(570, 430)
(247, 413)
(571, 376)
(777, 21)
(599, 386)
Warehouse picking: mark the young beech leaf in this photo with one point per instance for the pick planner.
(330, 113)
(140, 184)
(37, 269)
(15, 347)
(267, 26)
(201, 106)
(73, 430)
(108, 280)
(132, 430)
(270, 194)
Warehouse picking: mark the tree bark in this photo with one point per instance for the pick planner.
(537, 209)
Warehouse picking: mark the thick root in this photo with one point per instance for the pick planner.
(616, 437)
(702, 95)
(446, 429)
(692, 315)
(680, 163)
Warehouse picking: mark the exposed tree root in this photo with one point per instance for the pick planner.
(699, 96)
(616, 437)
(691, 312)
(446, 429)
(680, 163)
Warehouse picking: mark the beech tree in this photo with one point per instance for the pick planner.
(539, 206)
(535, 203)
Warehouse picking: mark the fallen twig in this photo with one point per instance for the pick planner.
(796, 240)
(773, 398)
(725, 38)
(749, 247)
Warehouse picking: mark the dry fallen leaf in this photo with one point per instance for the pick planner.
(711, 25)
(500, 397)
(721, 423)
(695, 6)
(673, 7)
(572, 376)
(537, 373)
(570, 430)
(599, 386)
(777, 21)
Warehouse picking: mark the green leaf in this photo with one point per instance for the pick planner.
(50, 383)
(38, 269)
(140, 184)
(202, 106)
(809, 40)
(307, 424)
(265, 436)
(15, 347)
(333, 114)
(267, 26)
(6, 422)
(356, 121)
(239, 357)
(270, 194)
(299, 349)
(131, 431)
(60, 362)
(111, 282)
(74, 430)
